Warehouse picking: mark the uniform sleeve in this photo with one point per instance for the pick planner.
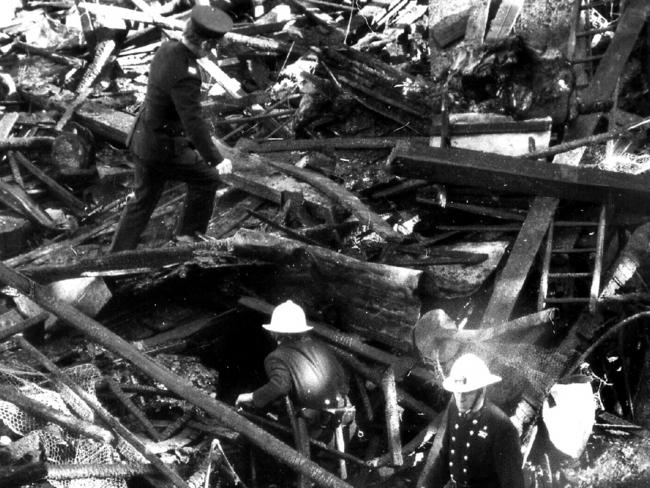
(186, 95)
(279, 383)
(508, 458)
(440, 471)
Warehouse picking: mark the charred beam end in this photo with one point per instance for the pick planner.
(8, 143)
(126, 260)
(511, 174)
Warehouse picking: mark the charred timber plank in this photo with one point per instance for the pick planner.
(457, 128)
(344, 198)
(48, 53)
(20, 202)
(451, 29)
(392, 416)
(108, 124)
(601, 88)
(521, 258)
(25, 142)
(506, 173)
(356, 289)
(477, 23)
(262, 181)
(505, 19)
(233, 217)
(139, 259)
(254, 174)
(215, 408)
(82, 235)
(74, 204)
(9, 331)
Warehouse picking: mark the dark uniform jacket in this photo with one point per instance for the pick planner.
(172, 109)
(307, 371)
(479, 450)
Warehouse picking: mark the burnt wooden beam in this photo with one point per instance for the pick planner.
(109, 124)
(344, 198)
(62, 194)
(145, 259)
(511, 174)
(456, 128)
(20, 202)
(25, 142)
(48, 53)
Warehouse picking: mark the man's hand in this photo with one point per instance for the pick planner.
(224, 167)
(244, 398)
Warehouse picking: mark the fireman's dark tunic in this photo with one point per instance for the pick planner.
(479, 450)
(171, 141)
(307, 371)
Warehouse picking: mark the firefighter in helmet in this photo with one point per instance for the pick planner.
(480, 445)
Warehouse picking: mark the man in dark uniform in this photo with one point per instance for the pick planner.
(301, 367)
(480, 447)
(170, 140)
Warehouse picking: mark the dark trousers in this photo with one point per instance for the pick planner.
(150, 177)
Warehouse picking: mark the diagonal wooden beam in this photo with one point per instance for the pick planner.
(510, 282)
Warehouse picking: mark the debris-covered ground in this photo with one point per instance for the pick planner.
(424, 178)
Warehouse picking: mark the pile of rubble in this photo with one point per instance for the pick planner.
(424, 179)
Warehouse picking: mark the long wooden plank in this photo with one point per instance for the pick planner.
(505, 19)
(511, 279)
(506, 173)
(503, 299)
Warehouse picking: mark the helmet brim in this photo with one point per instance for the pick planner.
(450, 385)
(278, 329)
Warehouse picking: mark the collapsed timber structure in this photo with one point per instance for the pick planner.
(424, 179)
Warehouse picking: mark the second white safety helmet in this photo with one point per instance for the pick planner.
(469, 373)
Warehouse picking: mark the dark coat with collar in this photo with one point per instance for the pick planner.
(172, 109)
(479, 449)
(308, 371)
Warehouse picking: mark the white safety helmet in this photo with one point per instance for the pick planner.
(469, 373)
(288, 318)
